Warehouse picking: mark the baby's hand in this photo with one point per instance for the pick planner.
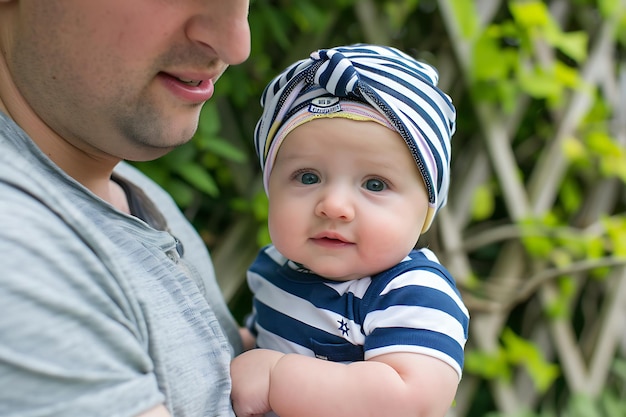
(250, 373)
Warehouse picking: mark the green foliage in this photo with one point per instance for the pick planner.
(616, 234)
(260, 210)
(514, 352)
(610, 403)
(397, 12)
(610, 8)
(465, 13)
(509, 46)
(483, 204)
(559, 307)
(492, 65)
(545, 239)
(535, 22)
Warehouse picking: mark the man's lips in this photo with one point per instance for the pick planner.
(191, 83)
(189, 88)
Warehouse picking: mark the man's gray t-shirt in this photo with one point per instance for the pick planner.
(100, 315)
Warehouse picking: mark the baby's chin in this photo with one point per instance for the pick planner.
(342, 277)
(336, 268)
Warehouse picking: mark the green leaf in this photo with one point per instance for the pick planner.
(488, 62)
(539, 83)
(612, 405)
(399, 11)
(260, 206)
(487, 365)
(221, 147)
(483, 203)
(570, 195)
(616, 231)
(155, 170)
(595, 247)
(523, 352)
(276, 25)
(567, 76)
(603, 144)
(466, 17)
(537, 245)
(611, 8)
(573, 44)
(558, 308)
(619, 368)
(180, 191)
(530, 14)
(561, 257)
(210, 123)
(508, 93)
(180, 156)
(575, 151)
(263, 236)
(197, 176)
(309, 17)
(582, 406)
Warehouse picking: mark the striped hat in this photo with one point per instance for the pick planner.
(364, 82)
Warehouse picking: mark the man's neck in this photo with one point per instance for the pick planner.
(93, 172)
(85, 164)
(88, 166)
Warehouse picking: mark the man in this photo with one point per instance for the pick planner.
(108, 303)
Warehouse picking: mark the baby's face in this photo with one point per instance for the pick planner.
(346, 198)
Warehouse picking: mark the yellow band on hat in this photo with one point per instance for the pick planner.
(352, 110)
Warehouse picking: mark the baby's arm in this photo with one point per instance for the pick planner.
(247, 338)
(397, 384)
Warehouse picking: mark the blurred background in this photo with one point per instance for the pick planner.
(534, 231)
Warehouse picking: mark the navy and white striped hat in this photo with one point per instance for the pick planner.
(351, 81)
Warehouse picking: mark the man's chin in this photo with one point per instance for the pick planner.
(148, 153)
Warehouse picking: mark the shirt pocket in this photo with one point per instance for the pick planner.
(337, 352)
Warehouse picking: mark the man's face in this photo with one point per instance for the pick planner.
(125, 78)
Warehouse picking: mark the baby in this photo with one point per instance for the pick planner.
(349, 318)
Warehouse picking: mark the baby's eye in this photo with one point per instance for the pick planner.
(308, 178)
(375, 184)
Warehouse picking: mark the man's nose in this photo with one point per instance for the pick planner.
(224, 28)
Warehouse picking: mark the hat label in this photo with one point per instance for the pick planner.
(325, 105)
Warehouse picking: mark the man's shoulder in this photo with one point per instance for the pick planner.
(22, 164)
